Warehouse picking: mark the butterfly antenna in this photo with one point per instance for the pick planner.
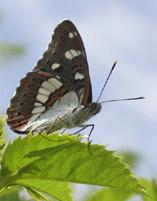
(123, 99)
(113, 66)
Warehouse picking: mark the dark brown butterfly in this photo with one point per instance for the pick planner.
(57, 92)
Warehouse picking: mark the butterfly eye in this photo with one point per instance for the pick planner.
(95, 108)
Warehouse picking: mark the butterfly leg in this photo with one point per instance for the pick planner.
(49, 130)
(84, 127)
(63, 130)
(64, 123)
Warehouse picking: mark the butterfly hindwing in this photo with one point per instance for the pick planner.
(61, 73)
(27, 104)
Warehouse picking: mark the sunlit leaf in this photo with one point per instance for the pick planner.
(10, 194)
(109, 194)
(151, 186)
(2, 135)
(61, 159)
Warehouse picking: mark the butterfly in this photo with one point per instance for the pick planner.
(57, 93)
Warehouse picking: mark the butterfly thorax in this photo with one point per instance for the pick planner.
(80, 114)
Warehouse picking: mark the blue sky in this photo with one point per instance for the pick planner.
(111, 30)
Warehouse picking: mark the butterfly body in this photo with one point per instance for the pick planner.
(57, 92)
(71, 117)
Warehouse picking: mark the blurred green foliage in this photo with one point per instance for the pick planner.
(8, 50)
(130, 157)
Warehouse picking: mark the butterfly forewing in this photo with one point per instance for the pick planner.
(61, 77)
(66, 58)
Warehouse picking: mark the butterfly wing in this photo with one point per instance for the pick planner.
(67, 51)
(61, 73)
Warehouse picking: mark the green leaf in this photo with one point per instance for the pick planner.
(36, 194)
(63, 158)
(2, 132)
(82, 163)
(11, 197)
(10, 194)
(109, 194)
(16, 154)
(15, 158)
(151, 187)
(2, 135)
(9, 190)
(55, 189)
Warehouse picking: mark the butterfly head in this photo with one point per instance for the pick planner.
(94, 108)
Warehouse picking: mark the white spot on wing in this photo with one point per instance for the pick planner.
(44, 91)
(47, 85)
(78, 76)
(71, 35)
(71, 53)
(34, 117)
(55, 66)
(74, 53)
(55, 82)
(37, 104)
(68, 55)
(58, 77)
(42, 98)
(38, 110)
(75, 33)
(78, 52)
